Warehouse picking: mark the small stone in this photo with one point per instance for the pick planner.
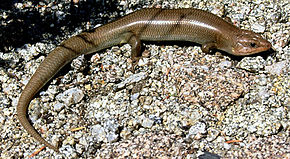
(227, 146)
(69, 141)
(212, 134)
(68, 151)
(112, 137)
(79, 148)
(197, 129)
(143, 62)
(208, 155)
(258, 28)
(83, 141)
(2, 120)
(58, 106)
(7, 111)
(147, 123)
(225, 64)
(277, 68)
(132, 79)
(135, 96)
(71, 96)
(99, 132)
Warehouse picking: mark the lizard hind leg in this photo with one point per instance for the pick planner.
(135, 44)
(207, 48)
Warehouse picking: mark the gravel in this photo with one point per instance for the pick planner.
(177, 103)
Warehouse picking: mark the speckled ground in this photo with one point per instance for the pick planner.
(178, 103)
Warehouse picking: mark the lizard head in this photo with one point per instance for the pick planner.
(248, 43)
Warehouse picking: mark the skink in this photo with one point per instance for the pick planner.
(191, 25)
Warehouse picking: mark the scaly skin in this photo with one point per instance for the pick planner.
(191, 25)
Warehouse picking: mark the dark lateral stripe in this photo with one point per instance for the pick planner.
(85, 39)
(68, 48)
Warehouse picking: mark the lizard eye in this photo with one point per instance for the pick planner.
(253, 44)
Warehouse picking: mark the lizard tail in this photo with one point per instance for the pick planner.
(58, 58)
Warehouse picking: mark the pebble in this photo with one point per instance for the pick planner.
(2, 120)
(58, 106)
(99, 132)
(258, 28)
(196, 130)
(71, 96)
(135, 96)
(147, 123)
(278, 68)
(212, 134)
(252, 64)
(208, 155)
(132, 79)
(224, 64)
